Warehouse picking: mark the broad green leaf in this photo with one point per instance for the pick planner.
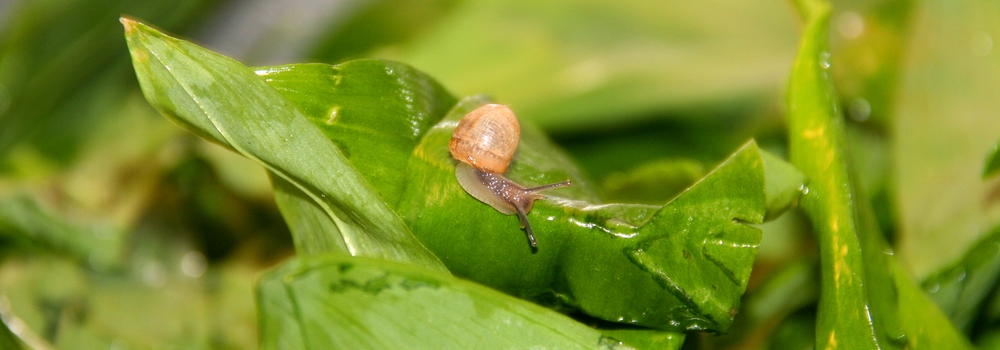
(439, 211)
(683, 265)
(305, 218)
(338, 302)
(225, 102)
(866, 300)
(374, 111)
(961, 290)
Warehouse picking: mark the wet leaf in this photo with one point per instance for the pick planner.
(338, 302)
(441, 213)
(223, 101)
(685, 264)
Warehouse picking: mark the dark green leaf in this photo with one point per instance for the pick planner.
(337, 302)
(223, 101)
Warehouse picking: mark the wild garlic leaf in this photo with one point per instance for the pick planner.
(338, 302)
(225, 102)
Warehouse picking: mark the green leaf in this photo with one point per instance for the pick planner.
(223, 101)
(961, 290)
(683, 265)
(375, 111)
(24, 219)
(454, 225)
(866, 300)
(337, 302)
(8, 340)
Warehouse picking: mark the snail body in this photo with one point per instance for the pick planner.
(484, 142)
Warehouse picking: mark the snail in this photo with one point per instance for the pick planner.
(484, 143)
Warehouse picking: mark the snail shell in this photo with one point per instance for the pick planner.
(484, 142)
(486, 138)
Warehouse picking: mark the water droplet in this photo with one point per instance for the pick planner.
(824, 60)
(804, 189)
(850, 25)
(860, 110)
(334, 113)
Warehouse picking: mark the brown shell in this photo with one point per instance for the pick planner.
(486, 138)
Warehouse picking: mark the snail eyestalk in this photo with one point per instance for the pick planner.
(523, 216)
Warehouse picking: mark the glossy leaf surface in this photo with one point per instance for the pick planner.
(337, 302)
(683, 265)
(431, 189)
(223, 101)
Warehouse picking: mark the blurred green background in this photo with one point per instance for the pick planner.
(119, 229)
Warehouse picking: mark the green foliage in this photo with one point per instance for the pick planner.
(223, 101)
(330, 301)
(866, 302)
(690, 258)
(120, 230)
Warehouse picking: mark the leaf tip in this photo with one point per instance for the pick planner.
(129, 23)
